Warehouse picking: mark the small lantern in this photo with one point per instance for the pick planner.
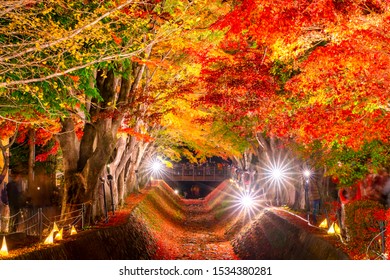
(4, 249)
(337, 229)
(73, 231)
(324, 224)
(59, 235)
(49, 239)
(334, 229)
(55, 227)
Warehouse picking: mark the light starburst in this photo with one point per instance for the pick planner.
(245, 204)
(155, 168)
(278, 174)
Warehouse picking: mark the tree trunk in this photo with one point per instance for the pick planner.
(73, 181)
(85, 160)
(31, 161)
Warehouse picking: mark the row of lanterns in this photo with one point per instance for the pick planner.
(55, 234)
(333, 229)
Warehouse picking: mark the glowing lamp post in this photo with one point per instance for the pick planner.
(110, 178)
(306, 175)
(104, 199)
(156, 167)
(277, 175)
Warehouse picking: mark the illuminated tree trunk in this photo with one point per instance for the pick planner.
(73, 181)
(85, 160)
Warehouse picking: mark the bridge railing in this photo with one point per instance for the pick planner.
(199, 173)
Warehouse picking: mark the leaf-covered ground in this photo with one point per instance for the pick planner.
(198, 238)
(185, 229)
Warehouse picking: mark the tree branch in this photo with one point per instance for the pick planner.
(70, 36)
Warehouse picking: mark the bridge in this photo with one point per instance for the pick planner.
(193, 173)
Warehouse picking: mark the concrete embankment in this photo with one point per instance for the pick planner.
(275, 237)
(269, 236)
(131, 241)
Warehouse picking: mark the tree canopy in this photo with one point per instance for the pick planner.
(117, 81)
(314, 73)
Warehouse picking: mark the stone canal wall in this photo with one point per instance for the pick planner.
(131, 241)
(275, 237)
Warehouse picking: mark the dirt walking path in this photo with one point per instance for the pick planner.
(200, 239)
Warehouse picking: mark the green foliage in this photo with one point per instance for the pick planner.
(347, 164)
(284, 72)
(362, 222)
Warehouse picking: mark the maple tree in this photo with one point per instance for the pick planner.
(90, 67)
(119, 81)
(306, 72)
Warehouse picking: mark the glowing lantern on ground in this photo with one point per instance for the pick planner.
(49, 239)
(324, 224)
(334, 229)
(4, 249)
(337, 229)
(55, 227)
(73, 231)
(59, 235)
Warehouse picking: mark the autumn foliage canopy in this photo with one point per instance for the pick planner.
(313, 73)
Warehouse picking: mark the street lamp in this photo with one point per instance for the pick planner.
(110, 178)
(102, 180)
(306, 175)
(156, 168)
(277, 175)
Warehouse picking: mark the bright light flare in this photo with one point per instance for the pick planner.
(247, 201)
(246, 204)
(278, 172)
(277, 176)
(307, 173)
(156, 166)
